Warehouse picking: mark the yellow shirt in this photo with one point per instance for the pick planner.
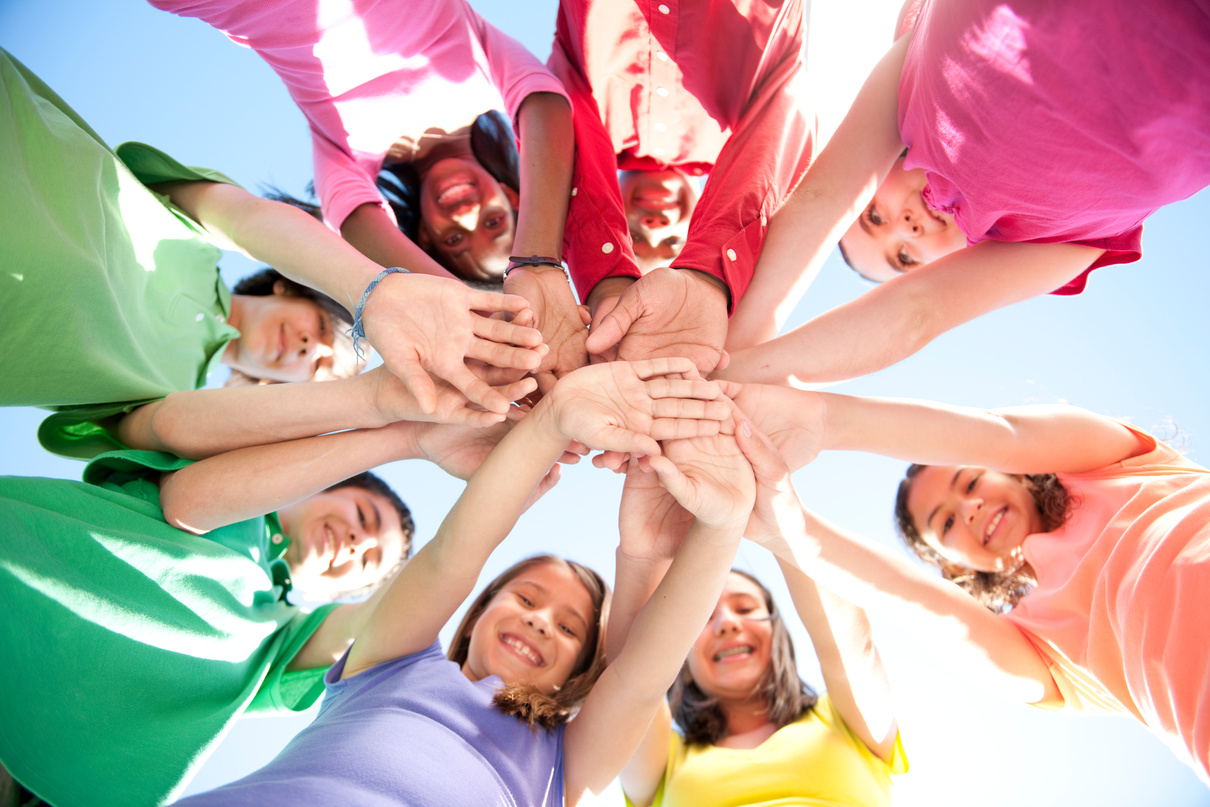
(814, 761)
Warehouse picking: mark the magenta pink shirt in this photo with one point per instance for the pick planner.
(1050, 122)
(367, 73)
(1122, 606)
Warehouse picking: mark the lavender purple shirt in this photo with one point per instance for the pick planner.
(413, 731)
(1053, 122)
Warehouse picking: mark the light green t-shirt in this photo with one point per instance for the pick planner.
(110, 297)
(129, 646)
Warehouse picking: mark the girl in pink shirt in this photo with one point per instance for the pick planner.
(1000, 150)
(1080, 547)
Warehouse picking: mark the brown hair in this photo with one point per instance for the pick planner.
(524, 700)
(700, 716)
(997, 591)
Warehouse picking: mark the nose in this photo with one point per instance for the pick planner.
(537, 620)
(725, 620)
(359, 543)
(909, 223)
(467, 217)
(970, 509)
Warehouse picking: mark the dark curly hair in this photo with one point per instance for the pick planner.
(263, 283)
(523, 700)
(700, 716)
(997, 591)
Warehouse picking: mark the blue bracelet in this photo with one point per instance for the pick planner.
(358, 331)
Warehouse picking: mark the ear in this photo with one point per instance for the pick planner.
(279, 288)
(514, 198)
(423, 239)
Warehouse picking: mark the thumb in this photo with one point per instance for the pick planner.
(615, 324)
(762, 456)
(419, 384)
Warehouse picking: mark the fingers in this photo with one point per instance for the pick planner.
(501, 355)
(510, 333)
(615, 461)
(549, 481)
(608, 330)
(673, 388)
(766, 463)
(731, 389)
(418, 384)
(477, 390)
(679, 428)
(494, 301)
(517, 390)
(723, 360)
(615, 438)
(585, 315)
(546, 380)
(649, 368)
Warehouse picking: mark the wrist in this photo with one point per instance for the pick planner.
(716, 283)
(609, 287)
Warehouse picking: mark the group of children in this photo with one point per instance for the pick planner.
(997, 152)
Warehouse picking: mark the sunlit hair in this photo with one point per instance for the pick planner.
(524, 700)
(997, 591)
(373, 484)
(700, 716)
(344, 360)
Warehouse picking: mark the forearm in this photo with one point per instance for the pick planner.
(962, 635)
(201, 423)
(334, 635)
(635, 579)
(375, 235)
(547, 153)
(251, 482)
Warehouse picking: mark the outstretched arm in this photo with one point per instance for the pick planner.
(962, 636)
(417, 323)
(709, 478)
(373, 233)
(891, 322)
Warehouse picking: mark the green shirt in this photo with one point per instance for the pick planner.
(130, 646)
(110, 297)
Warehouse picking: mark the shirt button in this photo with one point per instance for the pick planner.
(607, 247)
(219, 318)
(663, 57)
(663, 9)
(276, 538)
(659, 152)
(661, 127)
(731, 254)
(661, 92)
(199, 318)
(574, 191)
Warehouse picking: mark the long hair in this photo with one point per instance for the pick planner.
(526, 701)
(701, 717)
(996, 591)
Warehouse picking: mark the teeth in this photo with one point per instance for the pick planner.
(991, 526)
(733, 651)
(521, 648)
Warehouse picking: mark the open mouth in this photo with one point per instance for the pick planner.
(731, 652)
(991, 527)
(456, 192)
(522, 649)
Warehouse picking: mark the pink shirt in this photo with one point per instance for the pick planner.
(366, 74)
(711, 87)
(1052, 122)
(1122, 605)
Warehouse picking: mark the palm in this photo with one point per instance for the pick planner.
(651, 522)
(718, 485)
(602, 401)
(678, 318)
(781, 414)
(557, 317)
(460, 450)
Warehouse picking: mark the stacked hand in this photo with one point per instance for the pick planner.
(561, 320)
(709, 476)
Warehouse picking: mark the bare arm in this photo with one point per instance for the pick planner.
(829, 198)
(896, 319)
(375, 234)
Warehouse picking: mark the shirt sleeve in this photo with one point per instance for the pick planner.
(898, 763)
(342, 183)
(596, 240)
(296, 690)
(515, 71)
(768, 151)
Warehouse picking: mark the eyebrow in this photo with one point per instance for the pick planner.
(545, 591)
(377, 513)
(929, 521)
(865, 228)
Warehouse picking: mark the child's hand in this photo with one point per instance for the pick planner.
(394, 402)
(651, 522)
(791, 419)
(709, 476)
(777, 503)
(628, 406)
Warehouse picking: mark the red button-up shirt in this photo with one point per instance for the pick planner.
(710, 86)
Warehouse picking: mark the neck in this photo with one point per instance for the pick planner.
(748, 723)
(234, 317)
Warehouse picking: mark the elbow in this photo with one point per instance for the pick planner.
(170, 431)
(178, 510)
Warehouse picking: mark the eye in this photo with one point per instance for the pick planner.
(568, 631)
(970, 488)
(873, 216)
(949, 522)
(905, 259)
(494, 222)
(525, 600)
(361, 516)
(454, 239)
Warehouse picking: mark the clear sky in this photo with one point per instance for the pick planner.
(1134, 345)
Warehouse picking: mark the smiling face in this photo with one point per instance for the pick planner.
(341, 540)
(467, 217)
(533, 630)
(897, 232)
(732, 656)
(281, 338)
(658, 207)
(974, 517)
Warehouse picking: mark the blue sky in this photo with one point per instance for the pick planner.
(1134, 345)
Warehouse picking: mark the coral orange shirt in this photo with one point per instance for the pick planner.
(1122, 606)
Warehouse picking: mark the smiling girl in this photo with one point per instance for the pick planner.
(403, 724)
(1082, 541)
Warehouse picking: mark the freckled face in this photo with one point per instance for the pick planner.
(341, 540)
(534, 630)
(974, 517)
(467, 216)
(897, 232)
(732, 655)
(658, 206)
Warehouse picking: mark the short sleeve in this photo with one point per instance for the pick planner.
(898, 763)
(293, 690)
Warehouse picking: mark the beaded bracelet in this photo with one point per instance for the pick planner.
(533, 260)
(358, 331)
